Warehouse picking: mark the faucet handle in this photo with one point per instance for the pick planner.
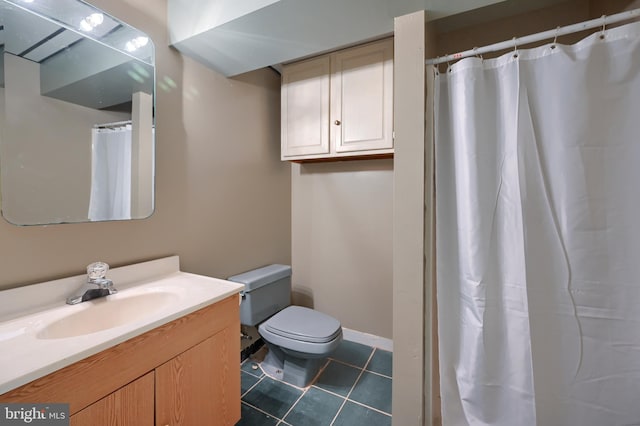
(97, 270)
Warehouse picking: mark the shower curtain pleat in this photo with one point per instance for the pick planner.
(538, 235)
(110, 174)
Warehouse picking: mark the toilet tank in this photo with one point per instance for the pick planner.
(267, 290)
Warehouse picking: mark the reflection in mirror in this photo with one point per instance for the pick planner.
(76, 114)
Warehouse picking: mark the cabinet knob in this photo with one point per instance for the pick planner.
(337, 122)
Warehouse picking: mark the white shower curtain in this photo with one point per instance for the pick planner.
(538, 235)
(110, 174)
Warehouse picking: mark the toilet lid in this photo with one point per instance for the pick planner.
(304, 324)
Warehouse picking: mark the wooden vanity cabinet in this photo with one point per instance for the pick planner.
(192, 390)
(131, 405)
(184, 373)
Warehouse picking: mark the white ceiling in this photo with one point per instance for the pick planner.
(234, 37)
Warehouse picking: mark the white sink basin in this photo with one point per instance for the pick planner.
(105, 313)
(40, 334)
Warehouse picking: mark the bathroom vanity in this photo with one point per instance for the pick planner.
(176, 365)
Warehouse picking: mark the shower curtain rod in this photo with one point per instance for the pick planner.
(515, 42)
(114, 124)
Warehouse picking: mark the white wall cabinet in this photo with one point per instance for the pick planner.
(339, 106)
(305, 108)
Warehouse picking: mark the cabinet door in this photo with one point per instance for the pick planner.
(132, 405)
(305, 108)
(202, 385)
(362, 98)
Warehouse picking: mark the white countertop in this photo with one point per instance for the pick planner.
(25, 355)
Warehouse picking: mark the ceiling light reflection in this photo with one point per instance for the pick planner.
(91, 21)
(136, 43)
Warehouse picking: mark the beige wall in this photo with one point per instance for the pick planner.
(342, 241)
(222, 195)
(609, 7)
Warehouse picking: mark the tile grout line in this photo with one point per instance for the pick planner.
(364, 369)
(360, 368)
(281, 381)
(352, 400)
(262, 411)
(250, 373)
(338, 412)
(379, 374)
(294, 404)
(360, 375)
(349, 365)
(370, 358)
(251, 387)
(375, 372)
(369, 407)
(253, 375)
(329, 392)
(352, 387)
(324, 367)
(304, 391)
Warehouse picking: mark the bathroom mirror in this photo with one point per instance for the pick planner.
(76, 114)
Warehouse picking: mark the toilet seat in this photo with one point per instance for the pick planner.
(302, 332)
(304, 325)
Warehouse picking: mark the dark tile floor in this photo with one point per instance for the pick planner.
(354, 388)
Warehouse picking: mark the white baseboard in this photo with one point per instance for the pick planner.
(367, 339)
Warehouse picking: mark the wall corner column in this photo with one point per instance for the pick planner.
(412, 284)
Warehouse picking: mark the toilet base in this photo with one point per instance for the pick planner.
(299, 372)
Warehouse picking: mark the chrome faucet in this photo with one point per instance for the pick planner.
(96, 286)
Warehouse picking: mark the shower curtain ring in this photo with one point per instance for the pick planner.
(555, 39)
(604, 26)
(515, 47)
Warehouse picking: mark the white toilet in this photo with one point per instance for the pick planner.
(299, 339)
